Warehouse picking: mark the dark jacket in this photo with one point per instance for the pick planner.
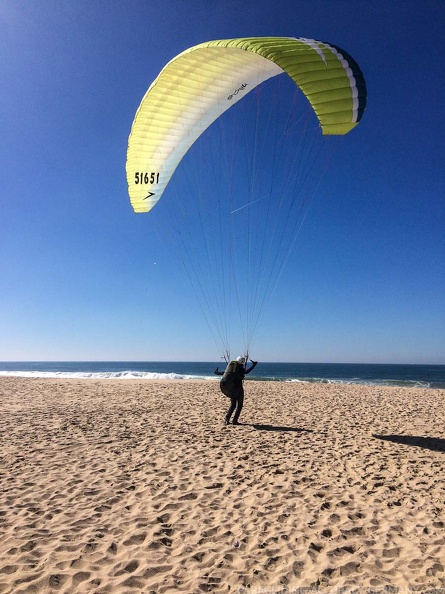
(233, 375)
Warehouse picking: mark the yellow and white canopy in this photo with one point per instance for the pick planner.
(201, 83)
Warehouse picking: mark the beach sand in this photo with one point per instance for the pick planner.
(115, 486)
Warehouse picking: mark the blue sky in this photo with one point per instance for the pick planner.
(366, 281)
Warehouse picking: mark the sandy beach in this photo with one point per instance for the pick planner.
(111, 486)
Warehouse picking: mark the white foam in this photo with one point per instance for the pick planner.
(119, 375)
(363, 382)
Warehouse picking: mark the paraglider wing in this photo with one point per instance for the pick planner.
(200, 84)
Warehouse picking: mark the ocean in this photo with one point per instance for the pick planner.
(417, 376)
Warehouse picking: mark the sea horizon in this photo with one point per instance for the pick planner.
(396, 374)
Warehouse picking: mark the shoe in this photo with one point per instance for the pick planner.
(235, 423)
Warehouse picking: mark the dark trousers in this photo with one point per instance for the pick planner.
(236, 404)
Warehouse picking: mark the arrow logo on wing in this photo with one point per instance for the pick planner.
(149, 195)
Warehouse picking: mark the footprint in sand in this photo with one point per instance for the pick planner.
(80, 576)
(9, 569)
(56, 580)
(129, 568)
(341, 551)
(135, 539)
(188, 497)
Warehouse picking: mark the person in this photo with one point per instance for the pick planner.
(231, 385)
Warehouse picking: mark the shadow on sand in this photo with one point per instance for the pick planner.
(428, 443)
(279, 428)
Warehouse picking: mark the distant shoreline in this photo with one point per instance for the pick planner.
(418, 376)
